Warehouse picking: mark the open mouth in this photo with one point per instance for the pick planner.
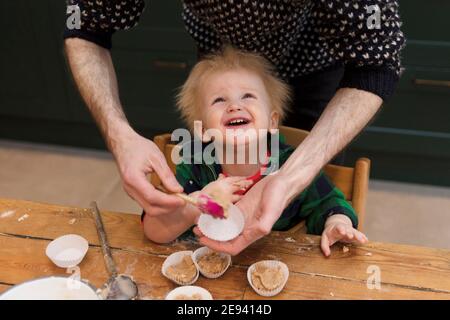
(236, 122)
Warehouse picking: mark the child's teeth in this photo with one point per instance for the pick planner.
(237, 121)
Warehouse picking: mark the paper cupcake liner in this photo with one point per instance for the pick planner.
(271, 264)
(174, 259)
(222, 229)
(189, 291)
(67, 251)
(205, 250)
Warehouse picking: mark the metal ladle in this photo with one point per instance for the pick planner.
(118, 286)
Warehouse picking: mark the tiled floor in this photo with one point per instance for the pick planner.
(396, 212)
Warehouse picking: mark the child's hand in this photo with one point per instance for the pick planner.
(339, 228)
(227, 186)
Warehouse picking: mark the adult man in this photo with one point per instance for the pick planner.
(340, 56)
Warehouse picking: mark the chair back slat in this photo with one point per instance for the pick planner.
(168, 154)
(342, 177)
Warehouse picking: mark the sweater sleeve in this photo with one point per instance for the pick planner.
(99, 19)
(323, 199)
(187, 178)
(365, 36)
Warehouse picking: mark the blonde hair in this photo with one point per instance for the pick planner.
(229, 58)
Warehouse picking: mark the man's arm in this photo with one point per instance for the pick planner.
(93, 72)
(346, 115)
(136, 156)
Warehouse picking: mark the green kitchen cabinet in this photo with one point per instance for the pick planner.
(32, 82)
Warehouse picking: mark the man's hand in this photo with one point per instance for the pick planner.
(339, 228)
(262, 205)
(136, 158)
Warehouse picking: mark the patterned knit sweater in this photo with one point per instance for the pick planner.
(299, 37)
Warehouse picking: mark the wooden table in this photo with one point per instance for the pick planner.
(407, 272)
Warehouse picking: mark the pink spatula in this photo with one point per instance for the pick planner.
(204, 202)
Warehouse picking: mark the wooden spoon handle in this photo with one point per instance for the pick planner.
(110, 265)
(183, 196)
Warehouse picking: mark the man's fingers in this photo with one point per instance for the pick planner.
(149, 209)
(268, 214)
(166, 175)
(214, 245)
(232, 247)
(144, 192)
(325, 245)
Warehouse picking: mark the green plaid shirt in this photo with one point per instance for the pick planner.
(314, 205)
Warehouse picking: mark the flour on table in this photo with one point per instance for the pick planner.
(309, 240)
(7, 214)
(25, 216)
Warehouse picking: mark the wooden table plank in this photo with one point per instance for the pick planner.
(416, 269)
(26, 260)
(51, 221)
(306, 287)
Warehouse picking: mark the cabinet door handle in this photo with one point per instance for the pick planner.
(434, 83)
(163, 64)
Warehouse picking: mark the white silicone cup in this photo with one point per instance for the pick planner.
(189, 291)
(222, 229)
(176, 258)
(205, 250)
(68, 241)
(272, 264)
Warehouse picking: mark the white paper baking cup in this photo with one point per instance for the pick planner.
(200, 252)
(189, 291)
(271, 264)
(176, 258)
(67, 251)
(222, 229)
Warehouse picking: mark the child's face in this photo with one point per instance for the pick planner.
(236, 99)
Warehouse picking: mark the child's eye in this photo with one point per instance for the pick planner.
(217, 100)
(248, 96)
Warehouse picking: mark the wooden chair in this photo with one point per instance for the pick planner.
(352, 181)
